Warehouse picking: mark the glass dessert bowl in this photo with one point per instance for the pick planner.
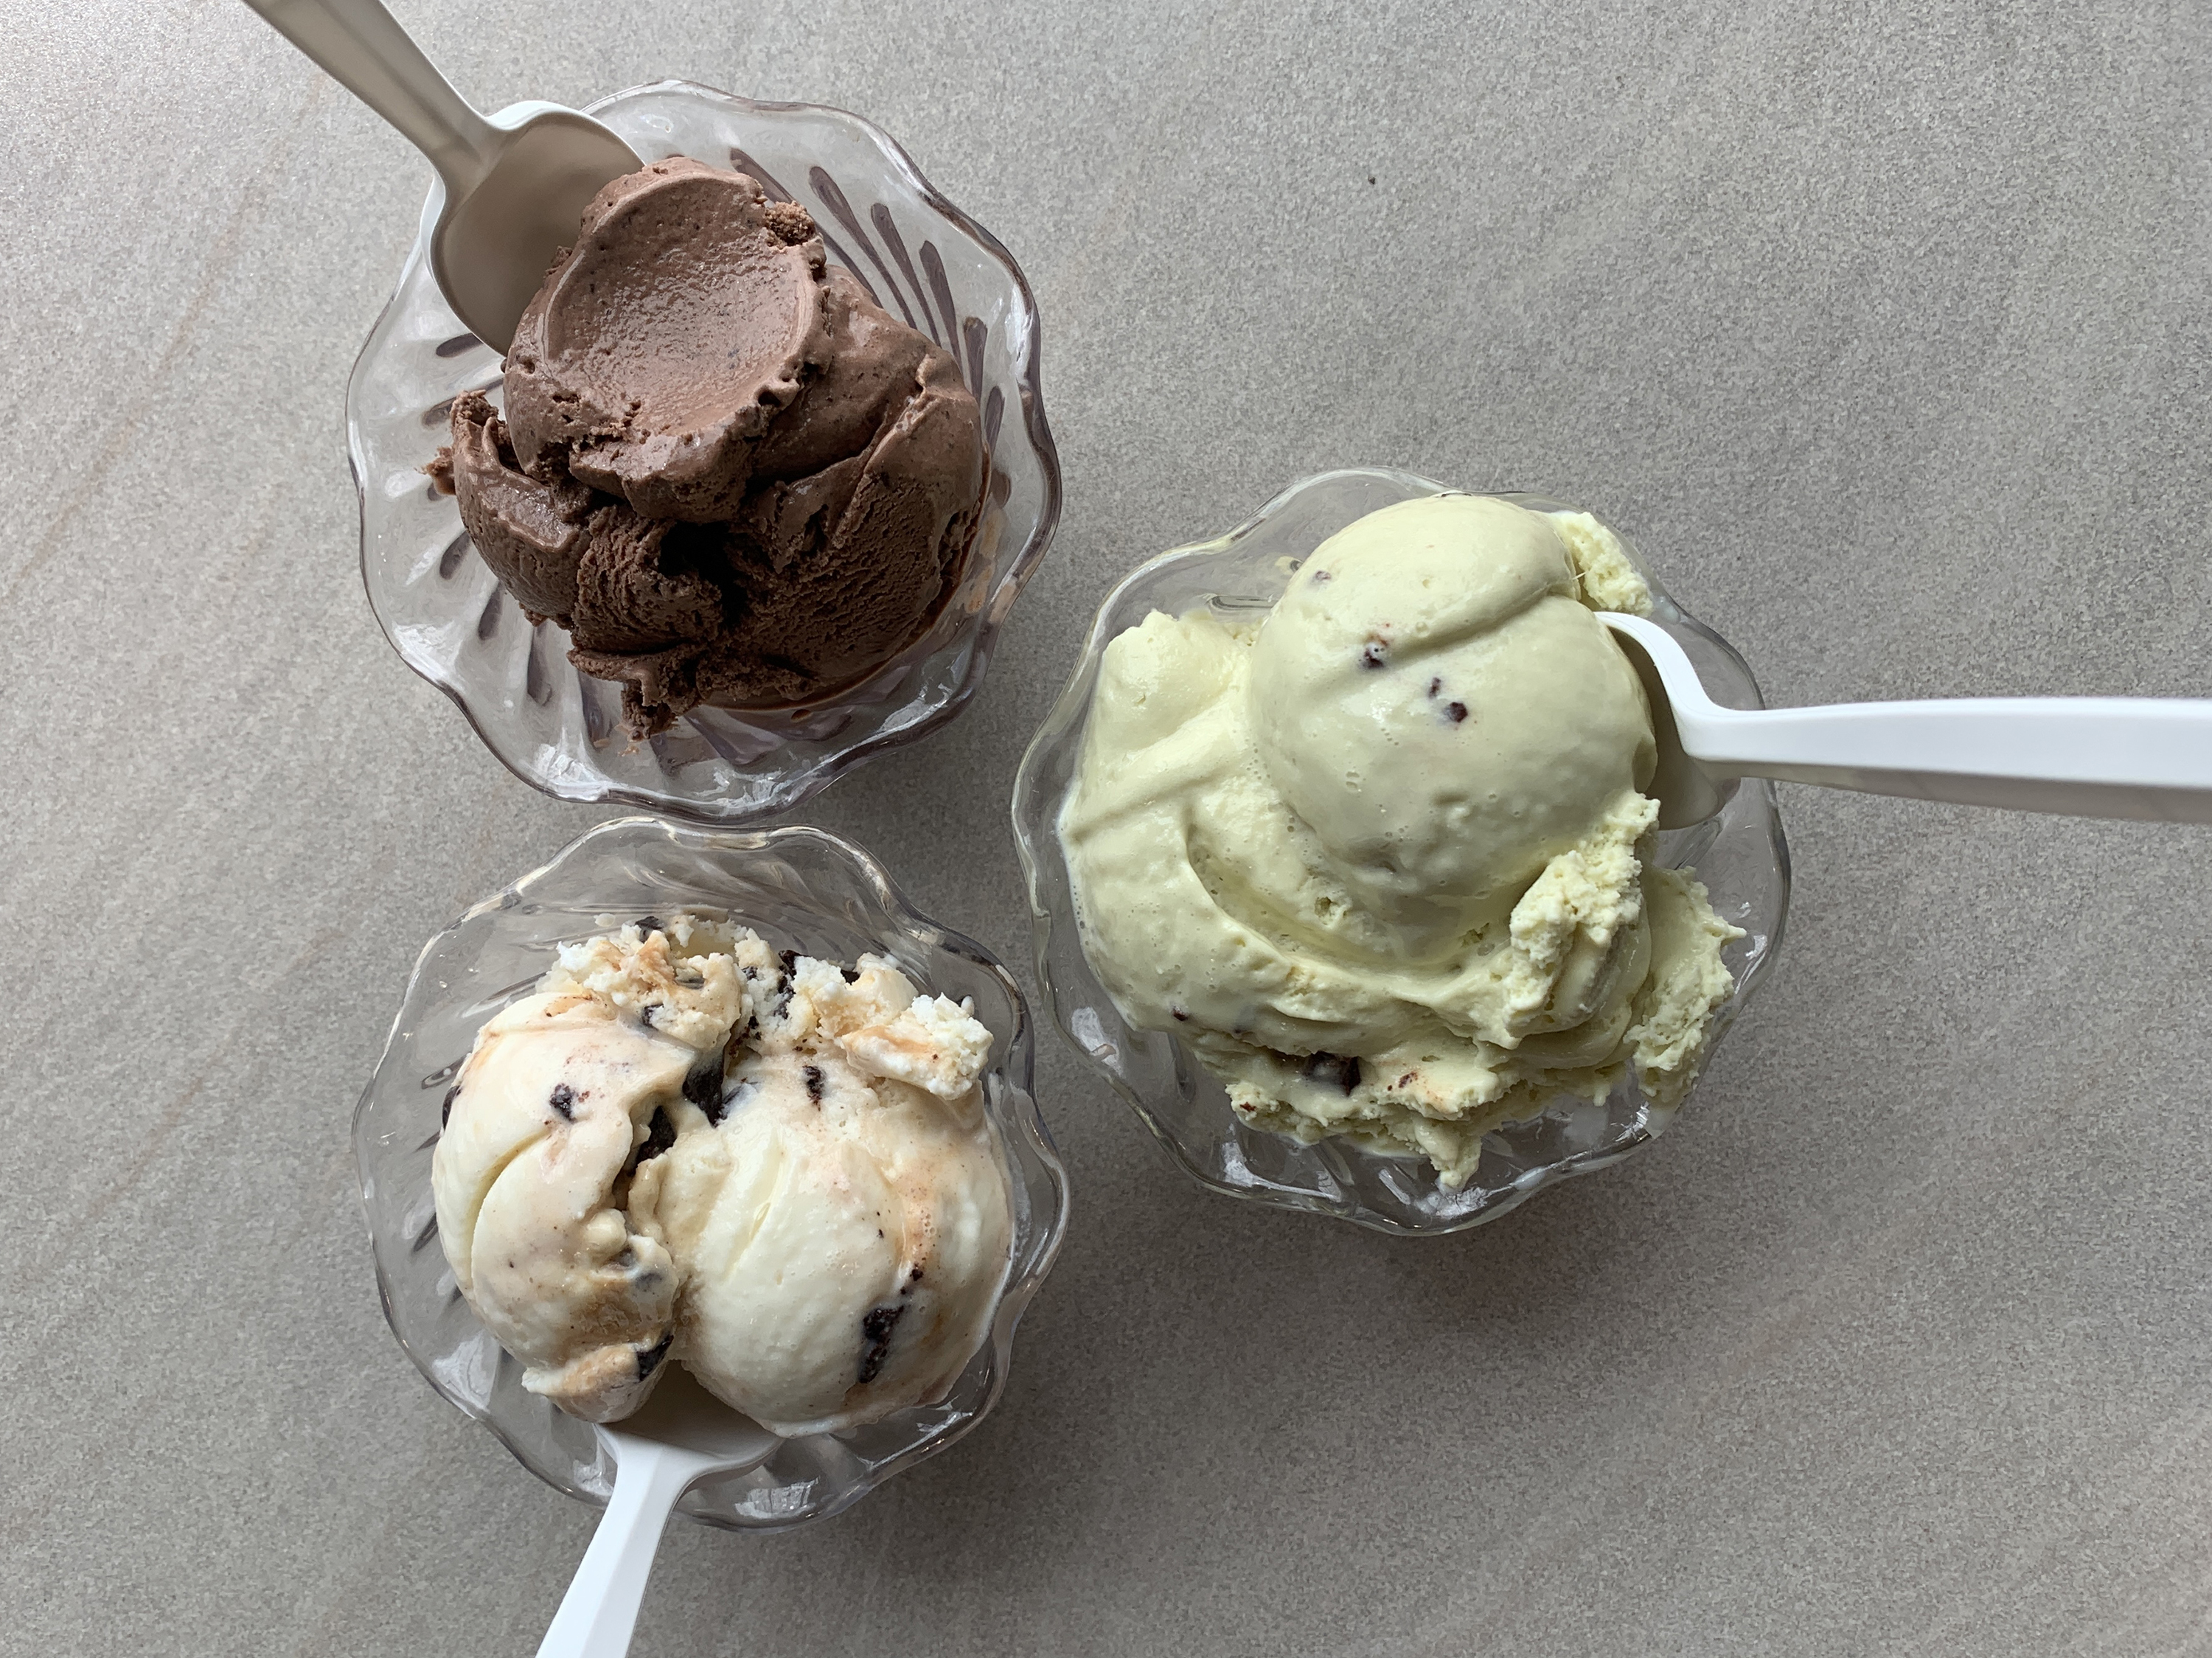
(1739, 854)
(798, 888)
(921, 258)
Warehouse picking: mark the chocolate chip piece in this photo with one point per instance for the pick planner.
(648, 1358)
(646, 1012)
(813, 1075)
(1181, 1017)
(1374, 655)
(1407, 1077)
(915, 1276)
(445, 1109)
(1458, 711)
(650, 924)
(563, 1101)
(1436, 688)
(689, 977)
(790, 960)
(660, 1135)
(1332, 1070)
(876, 1326)
(703, 1087)
(852, 975)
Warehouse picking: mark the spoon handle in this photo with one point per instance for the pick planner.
(600, 1609)
(367, 53)
(2137, 757)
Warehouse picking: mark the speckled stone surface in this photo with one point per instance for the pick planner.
(1883, 331)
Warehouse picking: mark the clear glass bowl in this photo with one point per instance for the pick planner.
(1740, 856)
(444, 611)
(798, 888)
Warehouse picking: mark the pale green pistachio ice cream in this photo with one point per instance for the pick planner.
(1381, 860)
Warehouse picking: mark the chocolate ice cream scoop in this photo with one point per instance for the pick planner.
(724, 468)
(664, 344)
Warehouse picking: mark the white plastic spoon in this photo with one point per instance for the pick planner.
(681, 1436)
(2090, 756)
(515, 184)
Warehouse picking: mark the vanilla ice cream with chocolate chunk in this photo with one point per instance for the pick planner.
(843, 1215)
(775, 1171)
(1383, 859)
(562, 1092)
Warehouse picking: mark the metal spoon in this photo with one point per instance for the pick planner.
(680, 1436)
(514, 184)
(2118, 756)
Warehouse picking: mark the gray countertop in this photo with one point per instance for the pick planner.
(1883, 331)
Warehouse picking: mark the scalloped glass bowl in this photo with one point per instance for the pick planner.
(1740, 856)
(557, 729)
(799, 889)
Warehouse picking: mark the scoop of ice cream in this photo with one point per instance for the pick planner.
(775, 1170)
(1434, 702)
(842, 1212)
(562, 1095)
(663, 345)
(1381, 860)
(730, 474)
